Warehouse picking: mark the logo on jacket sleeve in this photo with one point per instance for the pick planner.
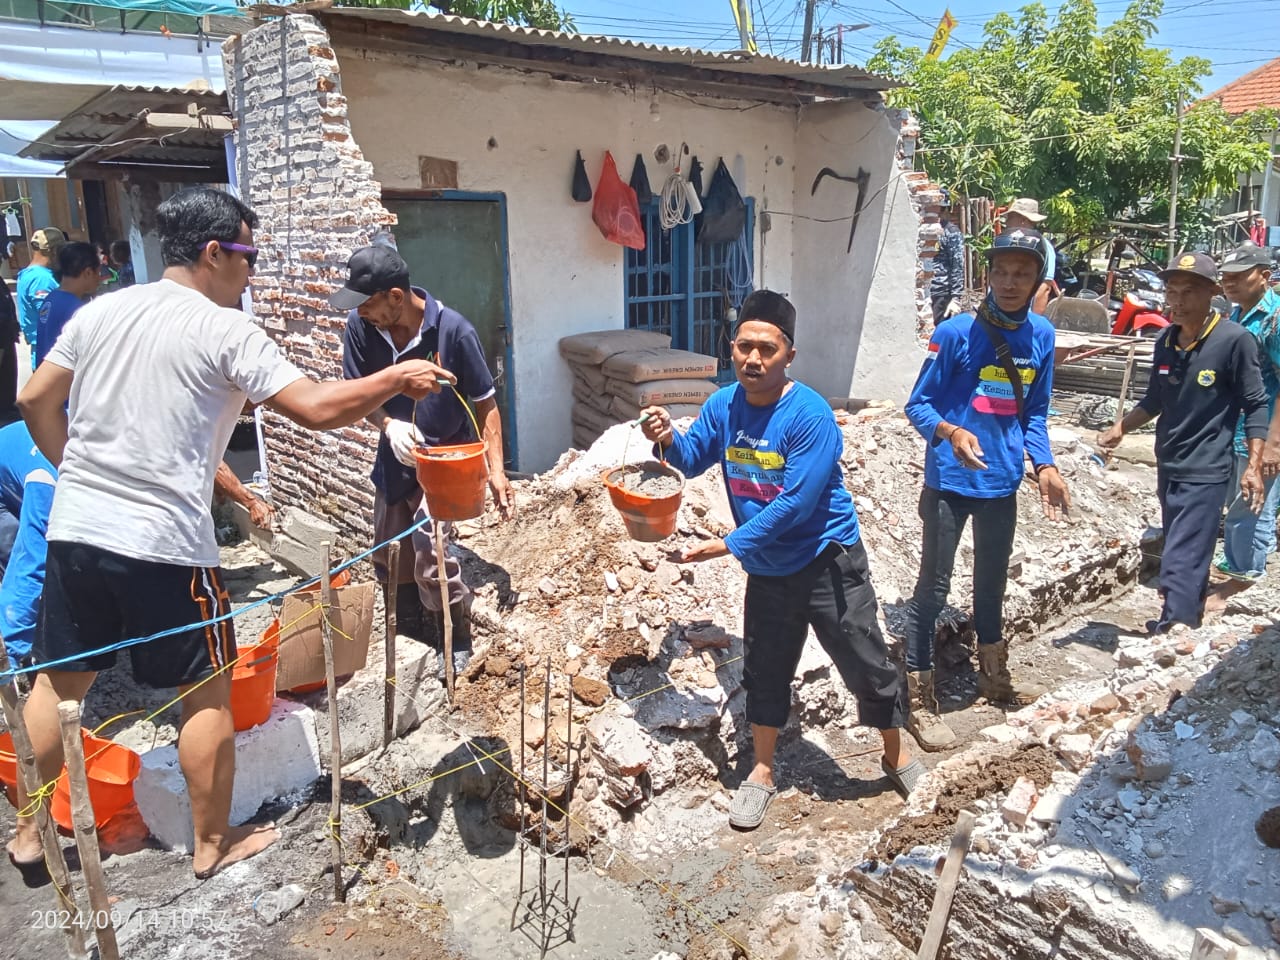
(1206, 377)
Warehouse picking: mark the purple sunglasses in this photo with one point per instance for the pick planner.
(250, 253)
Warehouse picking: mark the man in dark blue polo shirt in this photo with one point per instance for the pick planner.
(1204, 375)
(391, 321)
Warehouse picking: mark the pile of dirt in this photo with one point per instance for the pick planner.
(989, 774)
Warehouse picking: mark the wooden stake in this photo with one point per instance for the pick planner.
(28, 783)
(1124, 383)
(444, 600)
(946, 891)
(86, 833)
(335, 742)
(389, 613)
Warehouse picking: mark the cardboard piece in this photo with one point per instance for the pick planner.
(302, 639)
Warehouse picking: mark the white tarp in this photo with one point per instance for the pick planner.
(46, 72)
(66, 55)
(14, 136)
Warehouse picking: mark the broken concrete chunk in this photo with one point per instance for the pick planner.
(497, 666)
(610, 581)
(1107, 703)
(1075, 748)
(628, 577)
(274, 904)
(1264, 750)
(1150, 757)
(1001, 733)
(548, 586)
(1049, 808)
(1017, 806)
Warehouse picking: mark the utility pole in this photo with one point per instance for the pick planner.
(1176, 162)
(806, 39)
(744, 37)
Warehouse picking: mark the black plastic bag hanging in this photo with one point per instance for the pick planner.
(640, 181)
(581, 182)
(724, 213)
(695, 176)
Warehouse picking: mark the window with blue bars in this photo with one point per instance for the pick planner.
(683, 289)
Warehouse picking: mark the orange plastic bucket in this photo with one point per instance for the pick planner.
(111, 770)
(8, 761)
(253, 680)
(453, 478)
(648, 519)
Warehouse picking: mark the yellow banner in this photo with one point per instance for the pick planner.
(941, 35)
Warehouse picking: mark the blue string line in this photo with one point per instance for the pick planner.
(8, 675)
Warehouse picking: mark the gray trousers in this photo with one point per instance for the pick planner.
(417, 552)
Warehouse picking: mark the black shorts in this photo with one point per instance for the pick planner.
(94, 598)
(835, 596)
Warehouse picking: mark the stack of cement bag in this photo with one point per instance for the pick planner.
(616, 373)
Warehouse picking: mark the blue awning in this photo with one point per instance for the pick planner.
(191, 8)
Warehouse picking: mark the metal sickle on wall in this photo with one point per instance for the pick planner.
(863, 179)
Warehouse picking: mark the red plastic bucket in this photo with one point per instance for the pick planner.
(253, 680)
(453, 478)
(648, 519)
(111, 770)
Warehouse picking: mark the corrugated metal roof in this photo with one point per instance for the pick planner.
(847, 78)
(101, 116)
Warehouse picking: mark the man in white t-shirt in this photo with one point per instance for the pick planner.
(156, 376)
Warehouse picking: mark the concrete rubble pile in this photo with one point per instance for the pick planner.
(652, 648)
(1147, 824)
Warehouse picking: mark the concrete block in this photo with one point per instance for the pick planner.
(297, 545)
(419, 694)
(247, 529)
(273, 760)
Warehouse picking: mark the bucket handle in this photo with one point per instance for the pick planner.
(475, 424)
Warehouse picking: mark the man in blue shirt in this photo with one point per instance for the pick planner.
(797, 537)
(78, 276)
(980, 403)
(391, 321)
(27, 480)
(36, 281)
(1248, 537)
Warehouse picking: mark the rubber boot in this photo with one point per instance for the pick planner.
(460, 614)
(995, 682)
(924, 722)
(411, 620)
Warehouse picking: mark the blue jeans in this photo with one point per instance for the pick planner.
(1247, 537)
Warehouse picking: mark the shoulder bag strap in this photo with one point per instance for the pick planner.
(1005, 356)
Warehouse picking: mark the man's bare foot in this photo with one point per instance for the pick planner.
(241, 843)
(25, 849)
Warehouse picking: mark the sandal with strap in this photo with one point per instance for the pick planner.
(750, 802)
(904, 779)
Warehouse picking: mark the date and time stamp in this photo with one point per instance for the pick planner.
(173, 921)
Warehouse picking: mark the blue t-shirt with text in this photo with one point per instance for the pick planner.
(781, 466)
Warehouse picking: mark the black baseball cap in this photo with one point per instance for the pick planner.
(1245, 257)
(1197, 264)
(371, 270)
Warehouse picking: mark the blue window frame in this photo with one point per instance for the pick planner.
(681, 288)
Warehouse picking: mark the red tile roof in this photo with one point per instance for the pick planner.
(1257, 88)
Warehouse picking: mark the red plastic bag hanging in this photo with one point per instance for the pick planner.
(615, 208)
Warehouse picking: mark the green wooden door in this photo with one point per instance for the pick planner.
(457, 250)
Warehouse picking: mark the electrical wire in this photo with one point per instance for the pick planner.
(673, 203)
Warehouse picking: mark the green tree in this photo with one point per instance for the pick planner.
(1080, 117)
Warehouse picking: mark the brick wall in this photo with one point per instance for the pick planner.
(926, 198)
(317, 200)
